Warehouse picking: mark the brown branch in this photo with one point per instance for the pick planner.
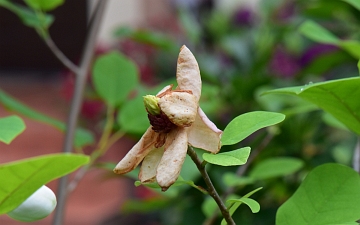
(241, 171)
(211, 189)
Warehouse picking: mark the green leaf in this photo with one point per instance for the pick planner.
(208, 207)
(236, 205)
(329, 195)
(231, 179)
(27, 16)
(275, 167)
(82, 137)
(244, 125)
(144, 205)
(10, 128)
(253, 205)
(232, 158)
(354, 3)
(132, 117)
(351, 46)
(22, 178)
(44, 5)
(114, 76)
(337, 97)
(317, 33)
(158, 40)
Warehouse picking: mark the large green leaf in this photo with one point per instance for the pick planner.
(27, 16)
(330, 194)
(317, 33)
(22, 178)
(82, 137)
(44, 5)
(231, 158)
(114, 76)
(274, 167)
(244, 125)
(10, 127)
(340, 98)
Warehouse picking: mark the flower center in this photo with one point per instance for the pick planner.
(160, 123)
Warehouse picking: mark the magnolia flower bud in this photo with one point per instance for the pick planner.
(38, 206)
(151, 104)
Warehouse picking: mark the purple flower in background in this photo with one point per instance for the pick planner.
(315, 51)
(283, 64)
(243, 17)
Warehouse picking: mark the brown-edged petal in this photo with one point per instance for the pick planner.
(204, 134)
(188, 73)
(174, 156)
(179, 107)
(138, 152)
(149, 165)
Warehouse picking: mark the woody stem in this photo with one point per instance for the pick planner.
(211, 189)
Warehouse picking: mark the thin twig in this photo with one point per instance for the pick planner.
(60, 55)
(76, 103)
(211, 189)
(241, 171)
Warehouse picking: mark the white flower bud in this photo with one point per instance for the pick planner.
(38, 206)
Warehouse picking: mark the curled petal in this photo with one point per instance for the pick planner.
(137, 153)
(174, 156)
(164, 91)
(188, 73)
(149, 165)
(204, 134)
(179, 107)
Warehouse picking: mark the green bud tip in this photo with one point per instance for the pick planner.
(151, 104)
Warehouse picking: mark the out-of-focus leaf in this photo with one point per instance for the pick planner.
(190, 25)
(114, 76)
(155, 39)
(354, 3)
(132, 116)
(244, 125)
(319, 34)
(22, 178)
(337, 97)
(82, 137)
(27, 16)
(44, 5)
(274, 167)
(10, 128)
(231, 158)
(144, 205)
(328, 195)
(231, 179)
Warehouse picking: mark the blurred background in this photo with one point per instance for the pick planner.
(243, 47)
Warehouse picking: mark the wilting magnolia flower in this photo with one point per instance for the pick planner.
(176, 122)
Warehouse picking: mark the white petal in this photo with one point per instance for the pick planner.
(204, 134)
(179, 107)
(188, 73)
(138, 152)
(174, 156)
(149, 165)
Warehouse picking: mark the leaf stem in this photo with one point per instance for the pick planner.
(211, 189)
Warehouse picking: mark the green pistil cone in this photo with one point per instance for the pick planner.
(151, 104)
